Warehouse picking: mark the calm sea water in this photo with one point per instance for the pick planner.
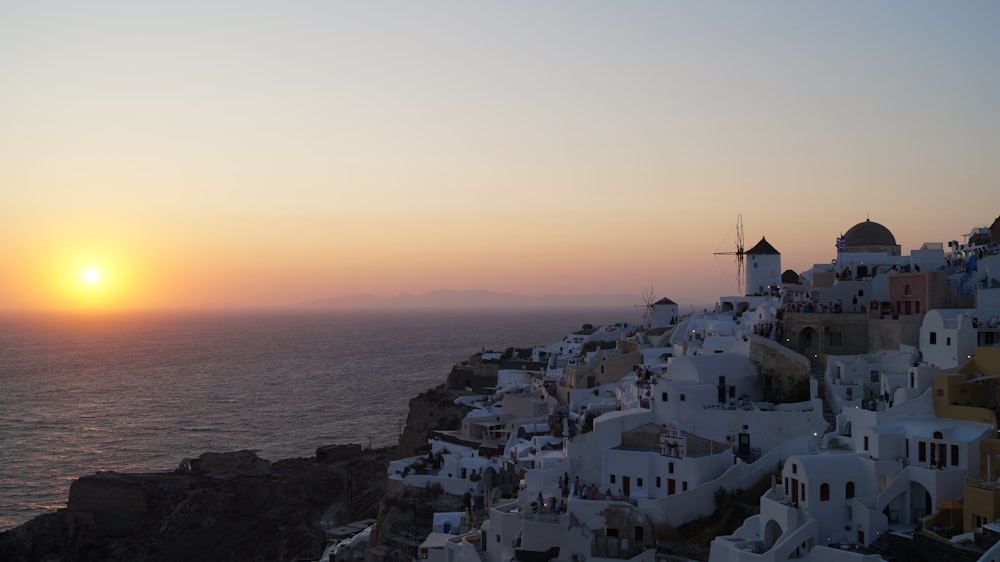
(142, 392)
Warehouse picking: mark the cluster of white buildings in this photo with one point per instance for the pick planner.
(633, 427)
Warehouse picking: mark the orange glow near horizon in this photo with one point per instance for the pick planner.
(398, 170)
(89, 273)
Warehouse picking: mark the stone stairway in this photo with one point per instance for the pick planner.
(817, 373)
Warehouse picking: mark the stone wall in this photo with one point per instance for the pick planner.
(784, 372)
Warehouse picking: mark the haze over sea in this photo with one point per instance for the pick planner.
(140, 392)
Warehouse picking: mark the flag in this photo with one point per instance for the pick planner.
(841, 242)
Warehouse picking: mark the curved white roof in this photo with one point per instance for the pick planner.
(833, 466)
(707, 369)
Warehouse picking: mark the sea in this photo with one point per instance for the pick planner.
(140, 392)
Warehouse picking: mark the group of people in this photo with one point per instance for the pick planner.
(584, 491)
(768, 329)
(551, 506)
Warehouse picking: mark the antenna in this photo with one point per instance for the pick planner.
(739, 253)
(648, 299)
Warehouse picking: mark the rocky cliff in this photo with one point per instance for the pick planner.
(226, 506)
(430, 410)
(230, 506)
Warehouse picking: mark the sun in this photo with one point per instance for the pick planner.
(91, 275)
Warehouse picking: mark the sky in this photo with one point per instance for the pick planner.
(261, 154)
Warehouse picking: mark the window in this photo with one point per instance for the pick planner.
(947, 341)
(849, 491)
(663, 397)
(824, 492)
(795, 468)
(907, 290)
(638, 482)
(670, 468)
(922, 451)
(866, 442)
(612, 478)
(933, 338)
(657, 481)
(802, 495)
(684, 486)
(682, 397)
(954, 455)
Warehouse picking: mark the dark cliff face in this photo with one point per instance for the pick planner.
(186, 515)
(225, 506)
(430, 410)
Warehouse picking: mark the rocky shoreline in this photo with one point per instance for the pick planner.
(227, 506)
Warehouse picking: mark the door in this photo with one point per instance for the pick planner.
(626, 485)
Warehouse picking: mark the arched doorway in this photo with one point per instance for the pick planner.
(772, 532)
(808, 341)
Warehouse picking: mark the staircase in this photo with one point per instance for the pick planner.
(888, 546)
(817, 373)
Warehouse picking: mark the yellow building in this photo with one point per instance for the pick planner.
(973, 393)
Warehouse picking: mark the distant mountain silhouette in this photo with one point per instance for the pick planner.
(474, 298)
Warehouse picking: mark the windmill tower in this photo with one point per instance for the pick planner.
(739, 253)
(763, 268)
(658, 313)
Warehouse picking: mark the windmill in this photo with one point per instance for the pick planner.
(739, 253)
(648, 299)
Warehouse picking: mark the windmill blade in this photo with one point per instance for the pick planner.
(648, 299)
(740, 254)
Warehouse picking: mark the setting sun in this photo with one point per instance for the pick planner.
(90, 275)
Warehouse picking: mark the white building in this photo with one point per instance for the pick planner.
(897, 467)
(950, 337)
(717, 397)
(763, 269)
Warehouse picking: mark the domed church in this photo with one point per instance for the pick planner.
(869, 237)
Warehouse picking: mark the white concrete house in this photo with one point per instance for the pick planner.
(716, 397)
(897, 467)
(870, 380)
(950, 337)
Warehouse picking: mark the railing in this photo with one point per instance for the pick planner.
(982, 483)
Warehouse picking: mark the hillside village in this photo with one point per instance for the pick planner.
(860, 397)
